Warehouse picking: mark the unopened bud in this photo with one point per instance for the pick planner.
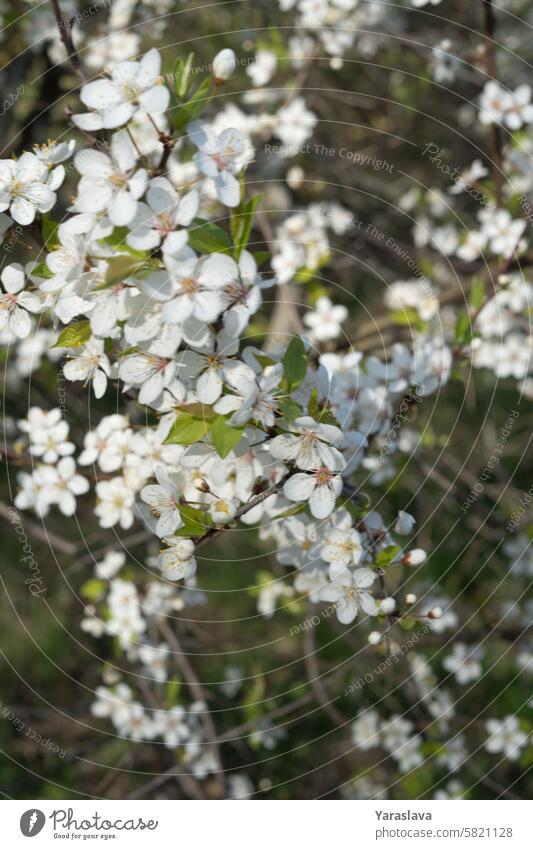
(201, 485)
(435, 613)
(387, 605)
(374, 638)
(415, 557)
(410, 598)
(295, 177)
(224, 65)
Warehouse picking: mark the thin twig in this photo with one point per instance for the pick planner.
(316, 682)
(214, 532)
(64, 25)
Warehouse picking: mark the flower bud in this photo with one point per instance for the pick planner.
(415, 557)
(387, 605)
(435, 613)
(201, 485)
(374, 638)
(224, 65)
(295, 177)
(410, 598)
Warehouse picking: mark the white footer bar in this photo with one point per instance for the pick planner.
(267, 824)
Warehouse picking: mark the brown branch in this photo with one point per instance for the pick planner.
(496, 136)
(52, 539)
(196, 689)
(214, 532)
(64, 25)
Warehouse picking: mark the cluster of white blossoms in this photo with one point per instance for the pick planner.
(401, 741)
(395, 735)
(494, 331)
(336, 25)
(55, 480)
(301, 242)
(119, 609)
(179, 728)
(139, 290)
(498, 105)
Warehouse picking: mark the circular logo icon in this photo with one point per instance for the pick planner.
(32, 822)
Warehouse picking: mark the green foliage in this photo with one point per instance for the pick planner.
(294, 363)
(182, 75)
(194, 106)
(195, 522)
(75, 335)
(207, 238)
(225, 438)
(188, 429)
(386, 556)
(463, 329)
(241, 223)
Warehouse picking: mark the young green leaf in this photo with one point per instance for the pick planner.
(121, 267)
(261, 257)
(295, 363)
(195, 522)
(49, 233)
(194, 106)
(225, 437)
(463, 329)
(207, 238)
(182, 75)
(290, 410)
(477, 293)
(74, 335)
(241, 223)
(385, 557)
(40, 269)
(187, 429)
(117, 240)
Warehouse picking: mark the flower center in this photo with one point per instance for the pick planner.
(323, 476)
(190, 286)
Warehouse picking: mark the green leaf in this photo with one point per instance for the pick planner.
(49, 233)
(477, 294)
(385, 557)
(303, 275)
(172, 689)
(182, 75)
(74, 335)
(407, 623)
(261, 257)
(196, 522)
(121, 267)
(93, 589)
(320, 413)
(225, 437)
(207, 238)
(295, 363)
(40, 269)
(200, 411)
(408, 317)
(241, 223)
(290, 409)
(117, 240)
(463, 329)
(194, 106)
(188, 429)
